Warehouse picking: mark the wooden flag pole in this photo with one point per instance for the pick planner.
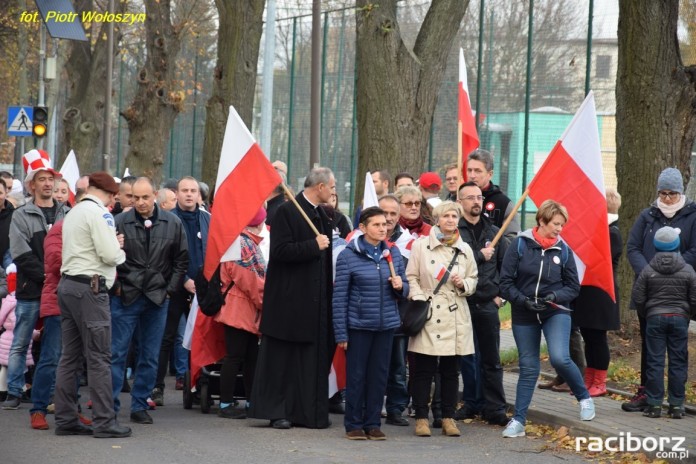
(289, 194)
(509, 219)
(460, 160)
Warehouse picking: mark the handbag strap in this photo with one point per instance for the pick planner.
(449, 268)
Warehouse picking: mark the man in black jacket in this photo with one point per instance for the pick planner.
(482, 372)
(496, 205)
(156, 262)
(291, 385)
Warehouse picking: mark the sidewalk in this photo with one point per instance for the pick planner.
(561, 409)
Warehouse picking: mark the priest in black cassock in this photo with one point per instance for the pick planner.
(297, 345)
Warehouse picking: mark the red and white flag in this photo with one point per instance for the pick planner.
(245, 179)
(572, 176)
(440, 272)
(467, 136)
(71, 172)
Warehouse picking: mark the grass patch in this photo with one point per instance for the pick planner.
(620, 371)
(505, 312)
(511, 355)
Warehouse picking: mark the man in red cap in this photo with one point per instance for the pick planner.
(430, 185)
(28, 228)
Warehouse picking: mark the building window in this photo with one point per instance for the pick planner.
(603, 67)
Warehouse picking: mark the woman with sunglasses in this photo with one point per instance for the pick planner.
(670, 208)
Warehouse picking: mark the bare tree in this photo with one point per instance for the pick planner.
(397, 87)
(234, 79)
(655, 109)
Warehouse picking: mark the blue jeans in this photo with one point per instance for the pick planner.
(397, 386)
(367, 366)
(666, 334)
(528, 338)
(145, 321)
(45, 373)
(470, 366)
(26, 315)
(180, 353)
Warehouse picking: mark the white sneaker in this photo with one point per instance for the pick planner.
(587, 410)
(514, 429)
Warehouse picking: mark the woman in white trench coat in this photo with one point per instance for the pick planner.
(448, 334)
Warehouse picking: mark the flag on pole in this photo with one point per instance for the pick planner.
(71, 172)
(572, 176)
(468, 139)
(245, 179)
(370, 194)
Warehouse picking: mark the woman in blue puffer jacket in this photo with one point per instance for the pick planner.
(365, 314)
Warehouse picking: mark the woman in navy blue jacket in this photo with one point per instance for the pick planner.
(365, 314)
(540, 279)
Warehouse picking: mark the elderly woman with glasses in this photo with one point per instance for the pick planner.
(411, 219)
(444, 257)
(670, 208)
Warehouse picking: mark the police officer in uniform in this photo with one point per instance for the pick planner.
(91, 252)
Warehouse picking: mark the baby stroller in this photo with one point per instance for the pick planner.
(207, 389)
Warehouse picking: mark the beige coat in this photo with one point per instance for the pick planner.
(447, 333)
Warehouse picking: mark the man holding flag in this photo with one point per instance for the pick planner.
(297, 346)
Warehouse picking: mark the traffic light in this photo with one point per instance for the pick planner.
(40, 121)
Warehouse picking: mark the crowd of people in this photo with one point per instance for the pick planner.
(97, 287)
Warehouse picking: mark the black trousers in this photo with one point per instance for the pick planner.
(424, 369)
(179, 304)
(242, 352)
(486, 323)
(596, 348)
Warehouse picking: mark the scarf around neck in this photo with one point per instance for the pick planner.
(543, 241)
(412, 225)
(670, 210)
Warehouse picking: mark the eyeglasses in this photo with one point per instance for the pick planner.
(670, 195)
(411, 204)
(473, 197)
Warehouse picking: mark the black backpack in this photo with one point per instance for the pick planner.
(210, 292)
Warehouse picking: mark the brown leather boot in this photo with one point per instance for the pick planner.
(551, 383)
(422, 428)
(449, 427)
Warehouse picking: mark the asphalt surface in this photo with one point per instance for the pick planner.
(181, 436)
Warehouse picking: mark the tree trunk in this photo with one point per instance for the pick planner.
(397, 88)
(154, 108)
(83, 118)
(234, 79)
(655, 101)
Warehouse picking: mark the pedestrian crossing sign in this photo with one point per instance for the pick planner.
(19, 120)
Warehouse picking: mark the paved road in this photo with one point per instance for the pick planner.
(187, 437)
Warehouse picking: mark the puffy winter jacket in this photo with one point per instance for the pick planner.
(640, 248)
(536, 273)
(53, 249)
(363, 297)
(7, 321)
(666, 286)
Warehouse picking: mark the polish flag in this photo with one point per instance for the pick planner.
(245, 179)
(572, 176)
(71, 172)
(468, 138)
(440, 272)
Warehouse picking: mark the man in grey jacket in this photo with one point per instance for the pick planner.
(28, 228)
